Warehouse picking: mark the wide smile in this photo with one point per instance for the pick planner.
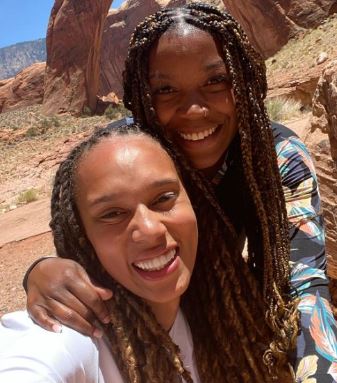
(157, 267)
(198, 136)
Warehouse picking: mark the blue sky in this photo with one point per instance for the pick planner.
(24, 20)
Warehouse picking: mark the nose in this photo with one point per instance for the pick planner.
(193, 106)
(147, 227)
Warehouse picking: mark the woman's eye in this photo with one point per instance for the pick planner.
(219, 83)
(113, 215)
(166, 200)
(164, 90)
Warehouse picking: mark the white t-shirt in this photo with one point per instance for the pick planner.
(29, 354)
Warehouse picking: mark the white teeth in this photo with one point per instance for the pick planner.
(156, 263)
(197, 136)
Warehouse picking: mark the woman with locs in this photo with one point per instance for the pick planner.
(193, 79)
(119, 206)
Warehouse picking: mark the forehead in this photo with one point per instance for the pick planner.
(183, 45)
(123, 159)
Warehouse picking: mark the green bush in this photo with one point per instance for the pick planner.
(114, 112)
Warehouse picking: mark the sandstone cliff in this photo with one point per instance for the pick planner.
(26, 88)
(269, 24)
(78, 69)
(73, 55)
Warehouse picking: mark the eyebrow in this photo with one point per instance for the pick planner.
(111, 196)
(158, 76)
(216, 65)
(209, 67)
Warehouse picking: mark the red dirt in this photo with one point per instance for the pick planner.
(15, 258)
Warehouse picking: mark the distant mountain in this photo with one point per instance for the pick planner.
(16, 57)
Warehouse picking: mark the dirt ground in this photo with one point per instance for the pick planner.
(15, 257)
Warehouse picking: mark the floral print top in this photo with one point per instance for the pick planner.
(315, 358)
(316, 353)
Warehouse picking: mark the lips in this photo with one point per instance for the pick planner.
(198, 136)
(159, 267)
(157, 263)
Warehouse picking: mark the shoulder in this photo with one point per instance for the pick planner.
(291, 152)
(27, 349)
(287, 140)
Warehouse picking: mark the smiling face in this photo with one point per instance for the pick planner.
(192, 94)
(138, 217)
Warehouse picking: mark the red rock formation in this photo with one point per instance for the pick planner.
(26, 88)
(73, 55)
(325, 120)
(74, 77)
(269, 24)
(308, 13)
(265, 22)
(295, 85)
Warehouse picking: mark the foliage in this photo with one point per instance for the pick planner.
(27, 196)
(115, 112)
(282, 109)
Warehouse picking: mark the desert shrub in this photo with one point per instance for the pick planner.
(86, 112)
(114, 112)
(33, 131)
(282, 109)
(27, 196)
(55, 121)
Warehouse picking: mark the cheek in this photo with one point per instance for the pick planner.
(164, 112)
(223, 103)
(188, 229)
(108, 248)
(114, 264)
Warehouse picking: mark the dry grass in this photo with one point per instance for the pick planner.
(31, 145)
(282, 109)
(27, 196)
(30, 123)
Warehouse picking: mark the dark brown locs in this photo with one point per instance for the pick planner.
(228, 282)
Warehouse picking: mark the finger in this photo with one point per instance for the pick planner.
(74, 320)
(105, 294)
(90, 295)
(40, 316)
(73, 303)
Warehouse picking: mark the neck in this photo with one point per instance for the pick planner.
(165, 313)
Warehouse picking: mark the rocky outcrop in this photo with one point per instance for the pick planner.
(269, 24)
(308, 13)
(325, 120)
(257, 18)
(73, 55)
(74, 76)
(25, 89)
(297, 86)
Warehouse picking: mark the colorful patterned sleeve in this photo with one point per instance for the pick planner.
(315, 359)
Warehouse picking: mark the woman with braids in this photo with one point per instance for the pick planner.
(195, 81)
(119, 208)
